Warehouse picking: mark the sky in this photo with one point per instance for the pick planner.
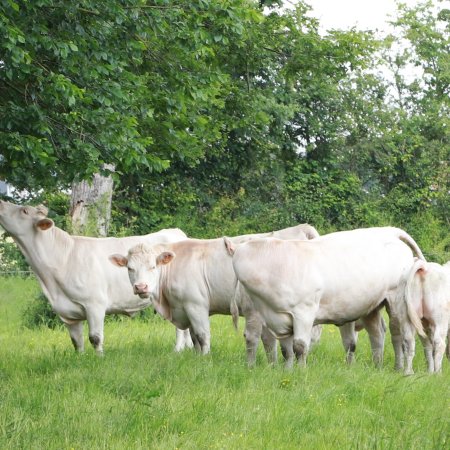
(343, 14)
(363, 14)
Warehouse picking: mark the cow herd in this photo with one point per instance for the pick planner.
(285, 284)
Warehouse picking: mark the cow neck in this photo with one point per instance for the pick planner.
(162, 303)
(164, 282)
(47, 250)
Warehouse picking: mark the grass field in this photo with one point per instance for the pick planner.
(141, 395)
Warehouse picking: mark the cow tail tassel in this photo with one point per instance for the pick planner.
(419, 265)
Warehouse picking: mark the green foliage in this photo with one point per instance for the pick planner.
(220, 119)
(327, 198)
(432, 235)
(11, 259)
(38, 313)
(125, 84)
(56, 118)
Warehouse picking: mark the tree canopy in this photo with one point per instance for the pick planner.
(230, 116)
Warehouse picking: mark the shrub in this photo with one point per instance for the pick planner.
(431, 233)
(11, 259)
(39, 313)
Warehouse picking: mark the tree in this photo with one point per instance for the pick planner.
(84, 85)
(90, 205)
(283, 104)
(410, 152)
(68, 91)
(427, 30)
(218, 118)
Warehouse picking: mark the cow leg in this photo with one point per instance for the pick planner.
(76, 334)
(447, 351)
(179, 340)
(287, 351)
(315, 335)
(195, 341)
(188, 339)
(302, 323)
(396, 339)
(349, 338)
(200, 329)
(270, 345)
(438, 341)
(409, 347)
(252, 334)
(428, 351)
(376, 329)
(183, 340)
(96, 322)
(402, 330)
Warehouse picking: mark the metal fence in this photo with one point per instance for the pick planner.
(17, 273)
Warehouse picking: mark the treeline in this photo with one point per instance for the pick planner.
(228, 117)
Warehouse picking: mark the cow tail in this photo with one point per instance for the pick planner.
(411, 243)
(234, 309)
(383, 325)
(418, 266)
(447, 350)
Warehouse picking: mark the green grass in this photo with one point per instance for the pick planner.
(141, 395)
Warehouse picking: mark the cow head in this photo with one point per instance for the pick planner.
(23, 220)
(144, 264)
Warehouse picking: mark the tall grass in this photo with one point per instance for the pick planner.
(141, 395)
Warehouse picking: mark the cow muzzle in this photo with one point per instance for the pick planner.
(141, 289)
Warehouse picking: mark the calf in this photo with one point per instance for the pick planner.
(428, 294)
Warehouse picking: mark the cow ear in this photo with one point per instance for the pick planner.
(118, 260)
(165, 257)
(44, 224)
(229, 246)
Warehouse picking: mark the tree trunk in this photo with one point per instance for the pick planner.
(90, 205)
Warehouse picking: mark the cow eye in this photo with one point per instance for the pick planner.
(25, 210)
(130, 269)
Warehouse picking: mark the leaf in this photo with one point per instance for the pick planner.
(14, 5)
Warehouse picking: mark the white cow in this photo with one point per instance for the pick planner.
(193, 279)
(336, 278)
(373, 323)
(74, 272)
(428, 294)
